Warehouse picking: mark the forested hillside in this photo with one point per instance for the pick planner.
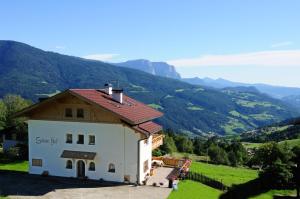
(193, 109)
(285, 130)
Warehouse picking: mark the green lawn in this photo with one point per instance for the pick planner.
(156, 106)
(251, 145)
(270, 194)
(195, 108)
(15, 166)
(228, 175)
(193, 157)
(194, 190)
(291, 143)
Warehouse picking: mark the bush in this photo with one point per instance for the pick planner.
(218, 155)
(19, 152)
(157, 153)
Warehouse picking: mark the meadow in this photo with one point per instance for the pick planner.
(194, 190)
(15, 166)
(292, 143)
(228, 175)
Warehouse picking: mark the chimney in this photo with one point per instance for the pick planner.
(108, 88)
(117, 95)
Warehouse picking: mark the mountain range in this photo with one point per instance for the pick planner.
(274, 91)
(290, 95)
(187, 108)
(155, 68)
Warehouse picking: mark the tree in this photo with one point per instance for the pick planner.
(275, 162)
(237, 154)
(277, 175)
(184, 144)
(13, 104)
(3, 114)
(199, 147)
(269, 153)
(217, 155)
(168, 144)
(296, 171)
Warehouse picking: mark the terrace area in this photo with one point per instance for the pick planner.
(166, 169)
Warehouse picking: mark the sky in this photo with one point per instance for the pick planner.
(246, 41)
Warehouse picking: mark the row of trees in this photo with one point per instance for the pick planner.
(279, 163)
(219, 150)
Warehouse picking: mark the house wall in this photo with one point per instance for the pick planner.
(55, 110)
(115, 144)
(145, 154)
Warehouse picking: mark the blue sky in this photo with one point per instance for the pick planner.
(246, 41)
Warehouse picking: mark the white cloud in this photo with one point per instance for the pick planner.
(281, 44)
(261, 58)
(101, 57)
(60, 47)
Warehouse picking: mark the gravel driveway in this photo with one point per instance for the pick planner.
(22, 185)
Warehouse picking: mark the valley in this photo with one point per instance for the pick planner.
(191, 109)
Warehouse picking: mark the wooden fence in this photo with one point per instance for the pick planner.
(206, 180)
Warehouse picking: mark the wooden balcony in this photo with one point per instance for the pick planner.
(157, 141)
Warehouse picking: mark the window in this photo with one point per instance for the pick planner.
(69, 164)
(80, 139)
(111, 168)
(92, 166)
(69, 138)
(68, 112)
(91, 140)
(37, 162)
(146, 166)
(80, 113)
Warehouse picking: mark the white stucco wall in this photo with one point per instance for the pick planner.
(145, 154)
(115, 144)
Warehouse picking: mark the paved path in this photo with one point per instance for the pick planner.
(160, 176)
(17, 185)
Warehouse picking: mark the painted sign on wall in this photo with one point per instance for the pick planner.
(51, 140)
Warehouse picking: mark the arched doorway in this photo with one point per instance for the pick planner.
(80, 169)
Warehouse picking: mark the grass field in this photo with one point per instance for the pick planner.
(193, 157)
(291, 143)
(251, 145)
(15, 166)
(270, 194)
(156, 106)
(228, 175)
(194, 190)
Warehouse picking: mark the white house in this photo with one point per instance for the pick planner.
(98, 134)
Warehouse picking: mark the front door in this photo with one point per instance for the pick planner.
(80, 169)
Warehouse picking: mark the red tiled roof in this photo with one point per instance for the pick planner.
(130, 110)
(148, 127)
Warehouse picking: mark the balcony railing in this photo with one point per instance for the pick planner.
(157, 141)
